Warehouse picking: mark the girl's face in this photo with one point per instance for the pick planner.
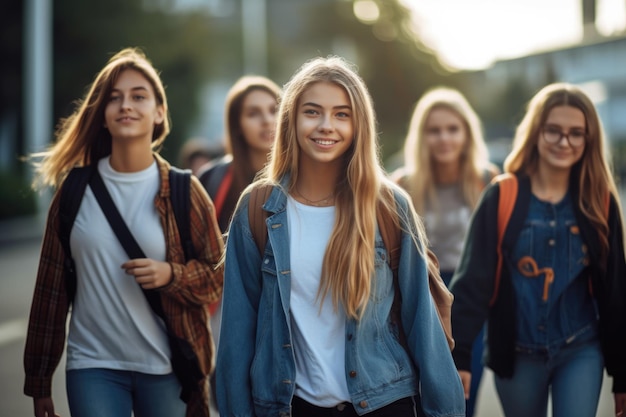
(446, 135)
(562, 138)
(258, 119)
(132, 110)
(324, 124)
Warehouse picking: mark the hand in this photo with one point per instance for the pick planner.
(466, 379)
(44, 407)
(149, 273)
(620, 404)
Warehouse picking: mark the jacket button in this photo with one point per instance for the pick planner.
(363, 404)
(352, 374)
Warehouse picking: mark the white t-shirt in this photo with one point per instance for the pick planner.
(112, 325)
(318, 335)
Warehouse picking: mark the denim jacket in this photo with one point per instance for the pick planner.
(554, 305)
(473, 284)
(255, 364)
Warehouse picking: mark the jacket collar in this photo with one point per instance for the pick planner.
(277, 201)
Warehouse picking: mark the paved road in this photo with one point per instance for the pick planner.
(18, 266)
(18, 263)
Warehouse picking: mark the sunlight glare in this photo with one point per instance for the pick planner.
(366, 11)
(611, 16)
(472, 35)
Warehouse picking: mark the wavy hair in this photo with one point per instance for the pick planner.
(418, 172)
(234, 140)
(593, 173)
(82, 139)
(348, 266)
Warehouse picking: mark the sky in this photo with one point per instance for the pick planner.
(472, 34)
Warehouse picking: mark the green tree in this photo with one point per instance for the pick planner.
(86, 34)
(396, 66)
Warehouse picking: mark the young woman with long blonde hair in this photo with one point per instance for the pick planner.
(307, 324)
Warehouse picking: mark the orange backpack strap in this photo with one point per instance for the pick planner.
(222, 191)
(506, 203)
(257, 216)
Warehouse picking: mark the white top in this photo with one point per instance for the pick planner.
(112, 325)
(318, 333)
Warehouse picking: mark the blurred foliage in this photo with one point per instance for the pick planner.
(11, 40)
(193, 48)
(394, 64)
(86, 34)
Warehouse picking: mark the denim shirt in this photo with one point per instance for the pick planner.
(255, 363)
(554, 303)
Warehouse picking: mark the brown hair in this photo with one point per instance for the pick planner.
(82, 138)
(593, 171)
(234, 141)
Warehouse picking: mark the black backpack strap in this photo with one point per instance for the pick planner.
(72, 191)
(180, 183)
(184, 360)
(123, 233)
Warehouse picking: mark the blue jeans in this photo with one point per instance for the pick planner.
(111, 393)
(573, 376)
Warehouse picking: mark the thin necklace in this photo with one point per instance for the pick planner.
(320, 202)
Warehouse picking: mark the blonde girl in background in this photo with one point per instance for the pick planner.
(446, 167)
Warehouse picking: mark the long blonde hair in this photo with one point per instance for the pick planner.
(418, 171)
(593, 172)
(82, 139)
(348, 266)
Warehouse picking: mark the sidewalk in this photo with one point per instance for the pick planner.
(22, 229)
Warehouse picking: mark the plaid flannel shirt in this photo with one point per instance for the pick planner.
(194, 285)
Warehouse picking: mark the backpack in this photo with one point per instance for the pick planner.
(217, 180)
(506, 204)
(72, 191)
(391, 234)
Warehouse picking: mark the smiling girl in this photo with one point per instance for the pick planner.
(118, 355)
(559, 316)
(307, 324)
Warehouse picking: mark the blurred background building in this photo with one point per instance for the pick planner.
(51, 50)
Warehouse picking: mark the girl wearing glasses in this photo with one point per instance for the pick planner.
(559, 315)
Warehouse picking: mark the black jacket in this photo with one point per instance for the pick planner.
(473, 286)
(211, 179)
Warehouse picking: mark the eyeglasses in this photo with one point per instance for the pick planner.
(553, 135)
